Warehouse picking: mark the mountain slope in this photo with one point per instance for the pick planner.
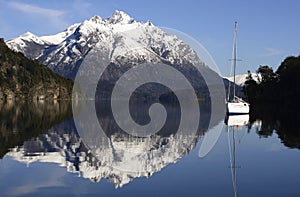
(24, 78)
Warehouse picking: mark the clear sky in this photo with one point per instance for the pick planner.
(268, 30)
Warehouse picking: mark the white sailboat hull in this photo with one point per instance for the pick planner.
(238, 108)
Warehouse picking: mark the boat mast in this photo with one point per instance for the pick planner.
(234, 57)
(234, 164)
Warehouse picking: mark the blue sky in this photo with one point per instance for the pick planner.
(268, 30)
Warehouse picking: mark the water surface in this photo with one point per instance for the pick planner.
(43, 155)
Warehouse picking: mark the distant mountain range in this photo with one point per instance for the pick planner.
(240, 79)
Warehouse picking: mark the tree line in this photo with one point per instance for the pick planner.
(280, 88)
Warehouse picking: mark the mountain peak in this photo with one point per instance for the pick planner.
(25, 37)
(28, 35)
(120, 17)
(96, 19)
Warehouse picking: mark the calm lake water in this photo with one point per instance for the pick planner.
(43, 155)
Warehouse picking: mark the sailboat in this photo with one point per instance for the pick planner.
(236, 105)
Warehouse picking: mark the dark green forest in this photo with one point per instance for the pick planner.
(21, 77)
(280, 88)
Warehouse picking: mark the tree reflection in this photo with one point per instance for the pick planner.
(284, 122)
(21, 121)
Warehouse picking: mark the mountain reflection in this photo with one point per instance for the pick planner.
(120, 157)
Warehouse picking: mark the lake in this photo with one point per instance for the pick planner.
(42, 154)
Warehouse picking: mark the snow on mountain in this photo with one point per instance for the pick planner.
(27, 36)
(240, 79)
(29, 44)
(58, 38)
(120, 17)
(118, 36)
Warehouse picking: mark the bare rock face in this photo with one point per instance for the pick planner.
(44, 92)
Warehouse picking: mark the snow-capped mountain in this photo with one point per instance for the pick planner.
(118, 36)
(240, 79)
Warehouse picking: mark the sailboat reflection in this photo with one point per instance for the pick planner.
(234, 124)
(237, 120)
